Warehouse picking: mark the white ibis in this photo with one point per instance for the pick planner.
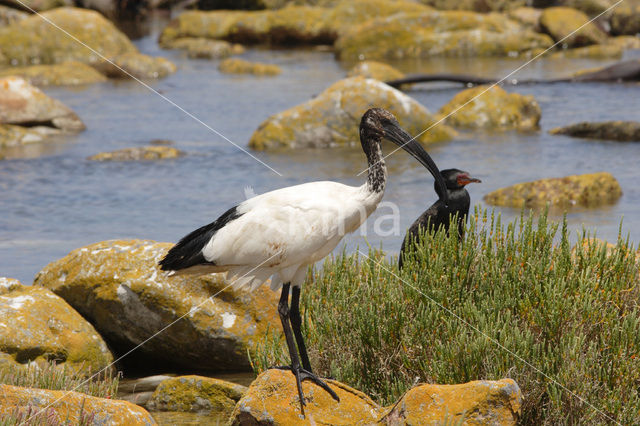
(281, 233)
(440, 213)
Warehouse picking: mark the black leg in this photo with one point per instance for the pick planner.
(296, 322)
(300, 373)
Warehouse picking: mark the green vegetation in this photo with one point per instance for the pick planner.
(510, 300)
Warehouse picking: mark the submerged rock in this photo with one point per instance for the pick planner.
(60, 407)
(34, 41)
(560, 22)
(117, 286)
(479, 402)
(36, 326)
(204, 48)
(240, 66)
(608, 130)
(11, 135)
(495, 109)
(196, 394)
(137, 65)
(586, 190)
(376, 70)
(333, 117)
(439, 33)
(70, 73)
(144, 153)
(273, 399)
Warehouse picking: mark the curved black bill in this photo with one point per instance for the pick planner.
(404, 140)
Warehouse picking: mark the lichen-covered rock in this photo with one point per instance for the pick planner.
(559, 22)
(625, 41)
(291, 25)
(376, 70)
(586, 190)
(273, 399)
(595, 51)
(70, 73)
(240, 66)
(527, 16)
(196, 394)
(493, 109)
(438, 33)
(608, 130)
(22, 103)
(474, 5)
(625, 18)
(117, 286)
(36, 326)
(41, 5)
(72, 407)
(9, 16)
(332, 118)
(144, 153)
(137, 65)
(479, 402)
(204, 48)
(34, 41)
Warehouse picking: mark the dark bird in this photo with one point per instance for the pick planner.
(281, 233)
(441, 213)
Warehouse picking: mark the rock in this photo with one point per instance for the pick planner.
(527, 16)
(376, 70)
(291, 25)
(589, 7)
(9, 16)
(438, 33)
(196, 394)
(36, 326)
(240, 66)
(480, 402)
(494, 109)
(333, 117)
(625, 42)
(595, 51)
(204, 48)
(34, 41)
(476, 6)
(40, 5)
(625, 18)
(144, 153)
(139, 391)
(137, 65)
(62, 407)
(11, 135)
(585, 190)
(273, 399)
(22, 103)
(623, 131)
(71, 73)
(117, 286)
(559, 22)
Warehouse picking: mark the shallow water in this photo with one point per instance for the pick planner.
(54, 200)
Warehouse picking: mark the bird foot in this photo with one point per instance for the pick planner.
(301, 375)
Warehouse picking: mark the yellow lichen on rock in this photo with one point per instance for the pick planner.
(36, 326)
(332, 118)
(118, 286)
(595, 51)
(609, 130)
(34, 41)
(474, 403)
(586, 190)
(240, 66)
(625, 18)
(273, 399)
(561, 22)
(204, 48)
(196, 394)
(145, 153)
(137, 65)
(69, 407)
(494, 108)
(70, 73)
(376, 70)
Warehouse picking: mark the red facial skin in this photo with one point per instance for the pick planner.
(464, 179)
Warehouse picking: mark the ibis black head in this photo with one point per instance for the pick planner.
(378, 123)
(455, 179)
